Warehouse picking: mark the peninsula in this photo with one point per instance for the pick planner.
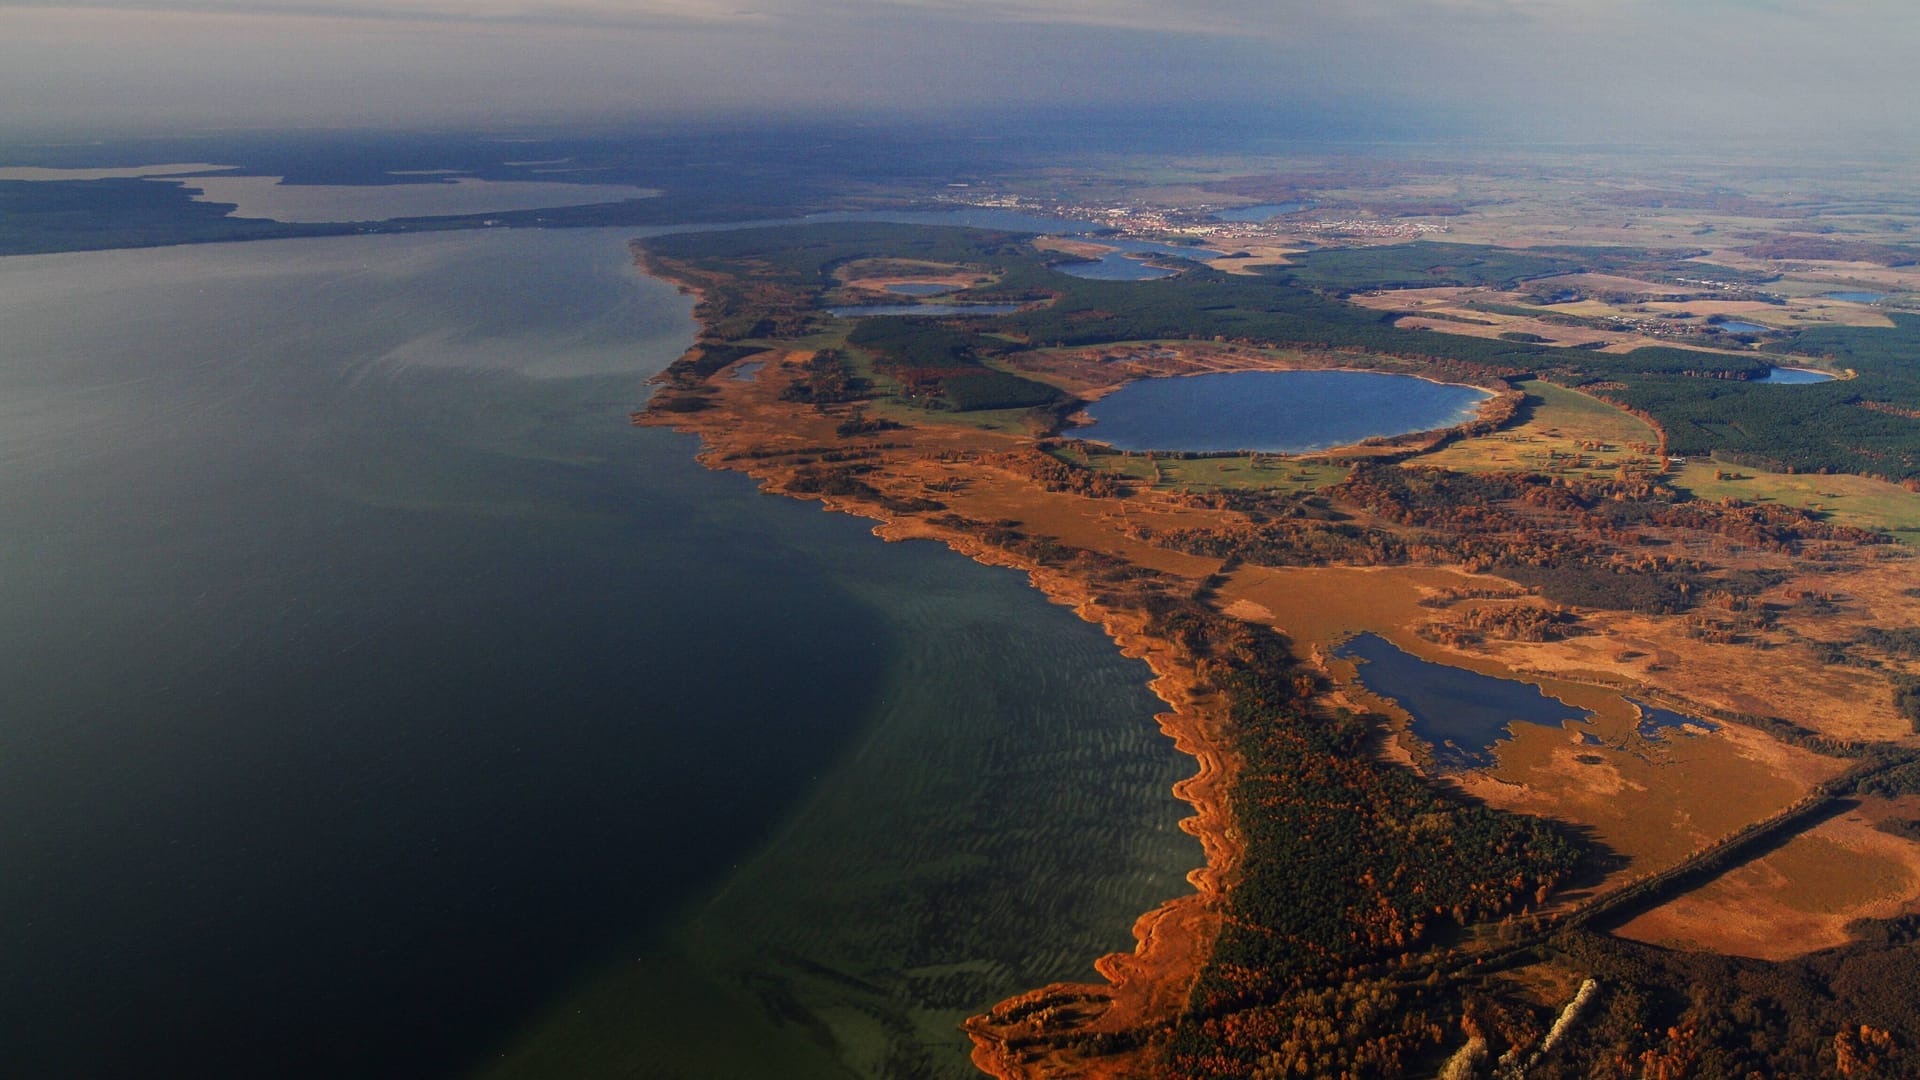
(1713, 570)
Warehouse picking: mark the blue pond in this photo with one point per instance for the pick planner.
(1855, 297)
(1654, 721)
(862, 310)
(1261, 212)
(1793, 376)
(1275, 411)
(1123, 263)
(1460, 713)
(1114, 266)
(1737, 327)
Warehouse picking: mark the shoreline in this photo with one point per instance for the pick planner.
(1486, 410)
(1095, 539)
(1171, 939)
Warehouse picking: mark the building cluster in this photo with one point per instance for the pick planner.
(1139, 221)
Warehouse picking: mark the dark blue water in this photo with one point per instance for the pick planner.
(367, 680)
(1790, 376)
(1737, 327)
(920, 288)
(1856, 297)
(1654, 721)
(1274, 411)
(857, 311)
(1261, 212)
(1114, 266)
(1124, 263)
(1460, 713)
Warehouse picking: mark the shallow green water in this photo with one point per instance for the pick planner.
(368, 686)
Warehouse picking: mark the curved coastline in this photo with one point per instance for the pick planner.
(1170, 940)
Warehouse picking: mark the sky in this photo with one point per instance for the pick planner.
(1571, 70)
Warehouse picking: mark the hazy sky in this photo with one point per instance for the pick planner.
(1782, 69)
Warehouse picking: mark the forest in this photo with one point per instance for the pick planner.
(1706, 401)
(1351, 862)
(1376, 922)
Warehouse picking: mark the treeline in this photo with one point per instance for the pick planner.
(1664, 1015)
(1858, 425)
(767, 281)
(1585, 552)
(943, 366)
(1430, 263)
(1426, 264)
(1350, 862)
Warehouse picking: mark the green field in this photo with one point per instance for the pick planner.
(1845, 500)
(1244, 471)
(1557, 431)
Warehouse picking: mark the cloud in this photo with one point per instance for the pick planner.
(639, 14)
(1572, 67)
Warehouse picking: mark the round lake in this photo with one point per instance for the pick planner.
(1275, 411)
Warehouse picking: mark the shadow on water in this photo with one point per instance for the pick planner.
(1460, 713)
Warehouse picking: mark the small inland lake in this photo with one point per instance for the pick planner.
(1460, 713)
(1284, 412)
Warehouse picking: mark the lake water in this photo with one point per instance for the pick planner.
(267, 197)
(370, 685)
(1654, 721)
(1274, 411)
(1261, 212)
(1793, 376)
(1855, 297)
(856, 311)
(1737, 327)
(1460, 713)
(1125, 263)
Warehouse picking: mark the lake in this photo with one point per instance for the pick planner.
(1126, 261)
(1654, 720)
(1462, 714)
(372, 688)
(1274, 411)
(1793, 376)
(1735, 326)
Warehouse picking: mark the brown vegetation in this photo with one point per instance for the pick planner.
(1497, 570)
